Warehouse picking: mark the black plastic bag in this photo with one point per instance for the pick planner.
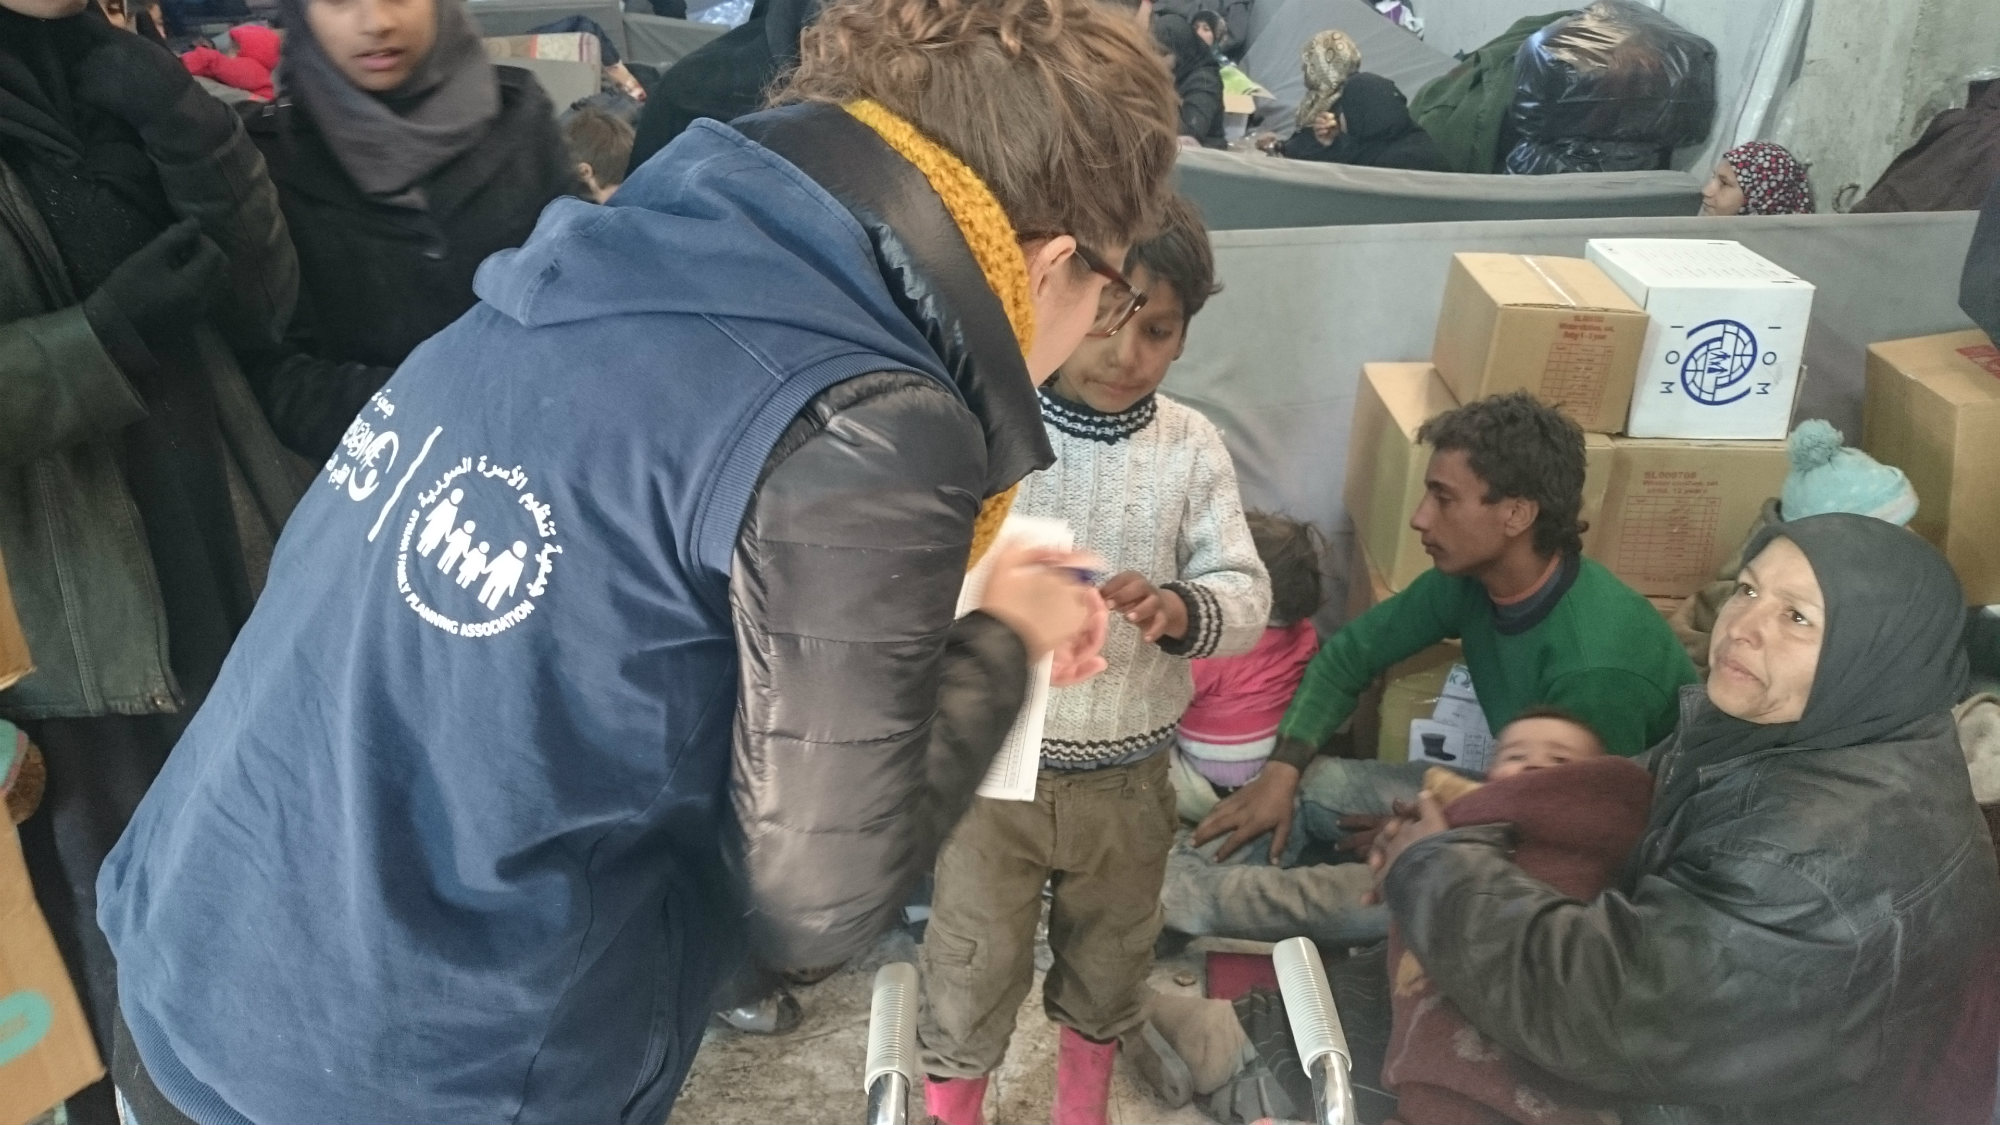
(1615, 87)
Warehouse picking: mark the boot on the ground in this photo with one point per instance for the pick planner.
(773, 1013)
(955, 1101)
(1188, 1047)
(1083, 1080)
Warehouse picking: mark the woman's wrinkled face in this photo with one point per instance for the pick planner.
(376, 44)
(46, 9)
(1764, 652)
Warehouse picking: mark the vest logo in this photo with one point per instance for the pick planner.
(476, 548)
(1721, 357)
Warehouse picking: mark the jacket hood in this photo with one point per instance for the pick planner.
(728, 230)
(722, 226)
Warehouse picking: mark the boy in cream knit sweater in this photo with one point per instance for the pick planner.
(1146, 483)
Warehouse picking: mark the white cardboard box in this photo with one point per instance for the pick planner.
(1724, 352)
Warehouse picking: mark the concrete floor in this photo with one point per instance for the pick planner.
(813, 1075)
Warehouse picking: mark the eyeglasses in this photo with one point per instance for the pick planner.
(1117, 303)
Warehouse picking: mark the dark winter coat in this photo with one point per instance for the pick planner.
(377, 279)
(1377, 131)
(505, 815)
(1806, 931)
(76, 542)
(1951, 166)
(1197, 79)
(724, 78)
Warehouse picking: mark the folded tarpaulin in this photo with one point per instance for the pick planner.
(1465, 111)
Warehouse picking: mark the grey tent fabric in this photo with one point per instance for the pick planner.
(658, 41)
(1244, 191)
(1387, 50)
(1275, 357)
(519, 17)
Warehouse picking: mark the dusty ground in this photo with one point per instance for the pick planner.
(813, 1075)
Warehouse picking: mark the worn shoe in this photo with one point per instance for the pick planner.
(1160, 1067)
(773, 1014)
(1083, 1080)
(955, 1101)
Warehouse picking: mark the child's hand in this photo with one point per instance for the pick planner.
(1157, 613)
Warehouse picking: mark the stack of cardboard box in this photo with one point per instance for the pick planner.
(46, 1052)
(1933, 411)
(1680, 359)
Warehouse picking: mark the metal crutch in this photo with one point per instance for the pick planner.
(1316, 1030)
(892, 1045)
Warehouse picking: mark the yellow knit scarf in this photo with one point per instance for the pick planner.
(987, 231)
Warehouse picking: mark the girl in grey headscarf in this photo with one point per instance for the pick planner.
(412, 110)
(403, 159)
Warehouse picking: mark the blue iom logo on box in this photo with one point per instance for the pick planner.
(1721, 363)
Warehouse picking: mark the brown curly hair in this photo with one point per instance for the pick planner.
(1060, 106)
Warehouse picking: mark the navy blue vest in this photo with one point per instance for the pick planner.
(440, 845)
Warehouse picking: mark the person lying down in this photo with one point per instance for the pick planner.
(1577, 814)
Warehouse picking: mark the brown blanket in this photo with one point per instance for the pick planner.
(1575, 826)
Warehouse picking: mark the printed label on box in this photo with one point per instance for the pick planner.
(1670, 526)
(1455, 734)
(1572, 379)
(1986, 356)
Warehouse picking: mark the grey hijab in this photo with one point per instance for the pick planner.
(1892, 652)
(391, 142)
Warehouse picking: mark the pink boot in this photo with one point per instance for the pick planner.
(955, 1101)
(1083, 1080)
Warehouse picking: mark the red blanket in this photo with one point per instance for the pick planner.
(1576, 826)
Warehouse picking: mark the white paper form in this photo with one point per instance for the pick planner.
(1012, 775)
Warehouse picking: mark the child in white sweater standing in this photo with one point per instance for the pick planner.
(1146, 483)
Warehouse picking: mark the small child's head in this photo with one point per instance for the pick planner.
(1176, 271)
(1542, 738)
(601, 145)
(1295, 554)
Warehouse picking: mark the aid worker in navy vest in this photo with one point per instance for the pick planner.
(618, 636)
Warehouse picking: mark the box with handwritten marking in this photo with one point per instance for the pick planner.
(1557, 328)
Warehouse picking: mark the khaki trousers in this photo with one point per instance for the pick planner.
(1100, 839)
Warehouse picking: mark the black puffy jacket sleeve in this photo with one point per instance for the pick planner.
(866, 714)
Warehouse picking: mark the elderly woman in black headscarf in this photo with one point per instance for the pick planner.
(1806, 929)
(140, 488)
(403, 158)
(1197, 78)
(1372, 127)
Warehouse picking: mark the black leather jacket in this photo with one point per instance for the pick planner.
(866, 716)
(1792, 941)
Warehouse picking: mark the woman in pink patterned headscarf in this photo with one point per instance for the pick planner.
(1757, 178)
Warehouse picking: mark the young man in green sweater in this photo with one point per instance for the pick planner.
(1541, 626)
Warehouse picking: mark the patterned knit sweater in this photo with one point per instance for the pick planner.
(1151, 490)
